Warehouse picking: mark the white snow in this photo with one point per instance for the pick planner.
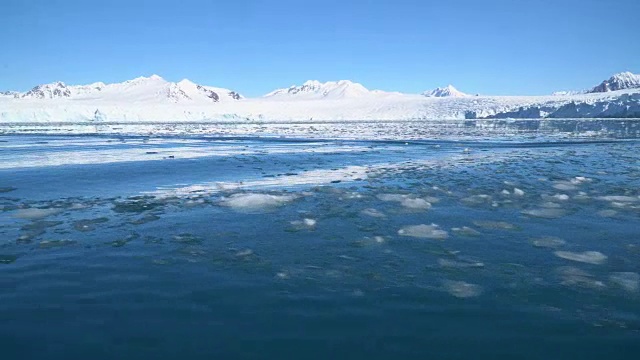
(448, 91)
(154, 99)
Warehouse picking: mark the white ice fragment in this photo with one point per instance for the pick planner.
(461, 289)
(619, 198)
(391, 197)
(629, 281)
(36, 213)
(545, 213)
(548, 242)
(416, 204)
(564, 186)
(373, 213)
(255, 201)
(505, 192)
(465, 230)
(432, 231)
(572, 276)
(607, 213)
(310, 222)
(588, 257)
(561, 197)
(518, 192)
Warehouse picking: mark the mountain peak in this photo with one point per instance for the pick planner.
(620, 81)
(447, 91)
(314, 89)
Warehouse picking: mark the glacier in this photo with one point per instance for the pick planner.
(154, 99)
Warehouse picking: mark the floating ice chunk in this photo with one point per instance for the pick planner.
(36, 213)
(432, 231)
(255, 201)
(580, 180)
(466, 231)
(461, 289)
(518, 192)
(546, 213)
(564, 186)
(561, 197)
(629, 281)
(460, 264)
(607, 213)
(548, 242)
(305, 223)
(505, 192)
(572, 276)
(588, 257)
(477, 199)
(391, 197)
(619, 198)
(373, 213)
(416, 204)
(502, 225)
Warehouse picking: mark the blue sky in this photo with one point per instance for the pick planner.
(489, 47)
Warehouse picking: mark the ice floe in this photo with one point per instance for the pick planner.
(551, 242)
(256, 201)
(629, 281)
(462, 290)
(36, 213)
(432, 231)
(588, 257)
(416, 204)
(373, 213)
(574, 277)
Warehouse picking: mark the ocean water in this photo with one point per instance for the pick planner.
(524, 246)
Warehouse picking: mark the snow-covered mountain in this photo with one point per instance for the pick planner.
(621, 81)
(448, 91)
(142, 89)
(313, 89)
(155, 99)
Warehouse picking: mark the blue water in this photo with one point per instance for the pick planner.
(136, 248)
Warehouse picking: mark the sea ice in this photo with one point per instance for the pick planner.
(546, 213)
(466, 231)
(548, 242)
(629, 281)
(518, 192)
(461, 289)
(416, 204)
(501, 225)
(373, 213)
(588, 257)
(36, 213)
(255, 201)
(572, 276)
(432, 231)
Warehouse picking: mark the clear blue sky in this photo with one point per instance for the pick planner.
(489, 47)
